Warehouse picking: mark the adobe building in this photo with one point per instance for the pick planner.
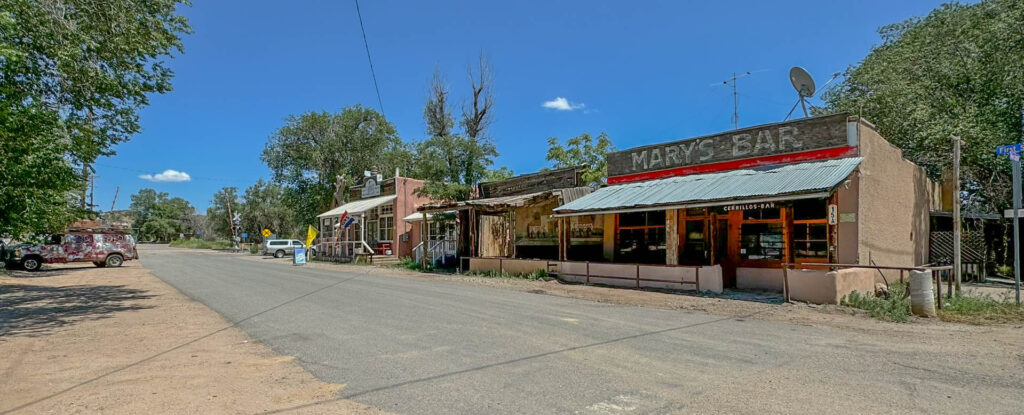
(378, 208)
(737, 205)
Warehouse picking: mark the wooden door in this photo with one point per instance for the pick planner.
(723, 252)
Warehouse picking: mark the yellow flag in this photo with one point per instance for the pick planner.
(310, 236)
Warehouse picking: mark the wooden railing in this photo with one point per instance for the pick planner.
(636, 276)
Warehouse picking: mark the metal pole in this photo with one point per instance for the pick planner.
(1016, 227)
(957, 273)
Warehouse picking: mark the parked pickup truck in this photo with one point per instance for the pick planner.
(102, 247)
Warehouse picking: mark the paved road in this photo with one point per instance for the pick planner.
(416, 346)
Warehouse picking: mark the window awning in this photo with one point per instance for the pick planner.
(418, 216)
(769, 183)
(358, 206)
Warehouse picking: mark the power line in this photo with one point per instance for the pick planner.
(380, 102)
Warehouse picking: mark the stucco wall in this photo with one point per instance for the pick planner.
(829, 287)
(405, 205)
(764, 279)
(893, 205)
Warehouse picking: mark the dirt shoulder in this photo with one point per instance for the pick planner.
(80, 339)
(940, 333)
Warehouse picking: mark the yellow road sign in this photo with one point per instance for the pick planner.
(266, 233)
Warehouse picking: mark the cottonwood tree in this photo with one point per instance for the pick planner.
(582, 150)
(73, 75)
(311, 150)
(453, 163)
(263, 207)
(160, 217)
(958, 71)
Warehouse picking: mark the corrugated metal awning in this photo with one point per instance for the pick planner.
(358, 206)
(503, 202)
(809, 179)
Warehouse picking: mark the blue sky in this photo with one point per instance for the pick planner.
(641, 71)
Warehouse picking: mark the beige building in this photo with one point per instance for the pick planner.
(739, 204)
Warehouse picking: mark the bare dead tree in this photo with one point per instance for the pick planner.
(478, 117)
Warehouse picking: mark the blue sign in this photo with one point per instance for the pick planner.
(245, 235)
(300, 256)
(1010, 149)
(197, 232)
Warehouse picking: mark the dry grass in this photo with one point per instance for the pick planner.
(981, 309)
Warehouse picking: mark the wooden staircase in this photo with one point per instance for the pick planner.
(385, 260)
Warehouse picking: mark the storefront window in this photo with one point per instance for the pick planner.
(387, 228)
(641, 237)
(759, 241)
(762, 214)
(810, 229)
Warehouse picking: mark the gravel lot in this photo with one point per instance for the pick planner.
(75, 339)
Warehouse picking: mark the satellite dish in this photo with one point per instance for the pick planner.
(804, 86)
(802, 82)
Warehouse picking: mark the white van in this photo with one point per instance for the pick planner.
(280, 247)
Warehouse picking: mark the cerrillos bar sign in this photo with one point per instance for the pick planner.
(806, 139)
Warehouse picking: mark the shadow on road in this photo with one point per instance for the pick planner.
(34, 310)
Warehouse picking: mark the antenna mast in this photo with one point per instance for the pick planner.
(735, 97)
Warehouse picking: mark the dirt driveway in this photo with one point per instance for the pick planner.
(79, 339)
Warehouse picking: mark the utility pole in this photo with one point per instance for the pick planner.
(231, 220)
(957, 225)
(92, 189)
(114, 203)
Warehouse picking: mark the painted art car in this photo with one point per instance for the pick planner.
(101, 247)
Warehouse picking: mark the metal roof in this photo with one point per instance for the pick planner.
(726, 187)
(358, 206)
(503, 202)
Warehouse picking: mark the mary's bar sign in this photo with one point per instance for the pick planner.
(798, 136)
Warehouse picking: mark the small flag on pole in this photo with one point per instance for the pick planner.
(310, 236)
(349, 221)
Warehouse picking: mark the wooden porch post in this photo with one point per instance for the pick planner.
(672, 237)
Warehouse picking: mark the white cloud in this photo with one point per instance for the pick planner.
(167, 176)
(562, 104)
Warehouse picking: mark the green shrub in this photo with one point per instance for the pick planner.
(974, 308)
(408, 263)
(893, 306)
(200, 244)
(536, 275)
(1004, 270)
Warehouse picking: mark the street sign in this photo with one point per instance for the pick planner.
(266, 233)
(245, 235)
(1010, 148)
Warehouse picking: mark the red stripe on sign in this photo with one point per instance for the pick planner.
(828, 153)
